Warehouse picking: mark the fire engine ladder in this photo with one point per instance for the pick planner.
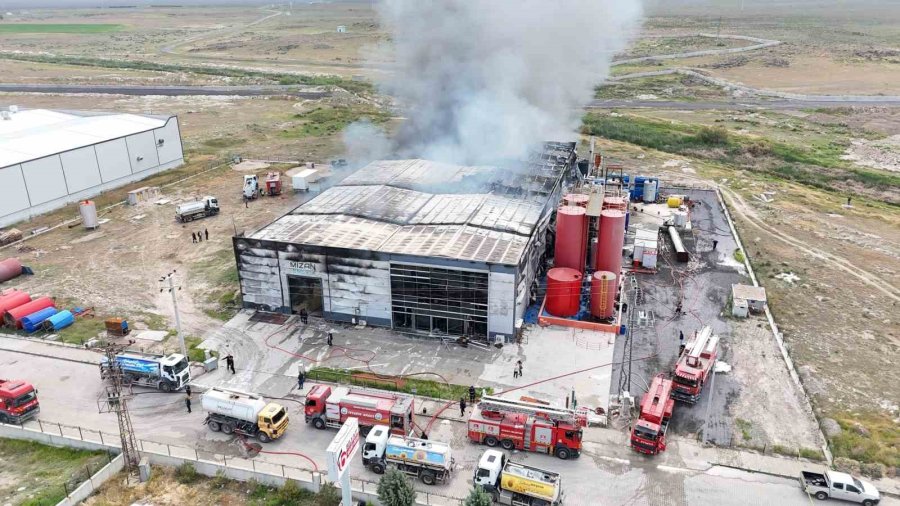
(700, 342)
(499, 404)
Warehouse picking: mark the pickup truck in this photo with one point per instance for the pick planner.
(839, 486)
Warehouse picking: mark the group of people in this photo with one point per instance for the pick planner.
(200, 236)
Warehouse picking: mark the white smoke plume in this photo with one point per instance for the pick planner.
(483, 81)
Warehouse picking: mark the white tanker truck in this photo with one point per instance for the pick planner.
(232, 411)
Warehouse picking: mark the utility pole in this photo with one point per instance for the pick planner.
(117, 396)
(719, 30)
(168, 279)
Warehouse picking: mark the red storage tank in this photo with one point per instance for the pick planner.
(611, 241)
(571, 238)
(563, 291)
(576, 199)
(13, 317)
(603, 294)
(12, 300)
(620, 203)
(10, 268)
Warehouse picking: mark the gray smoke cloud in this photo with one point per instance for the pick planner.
(483, 81)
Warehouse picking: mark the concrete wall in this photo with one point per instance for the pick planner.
(94, 482)
(38, 186)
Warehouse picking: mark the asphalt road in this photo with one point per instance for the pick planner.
(608, 473)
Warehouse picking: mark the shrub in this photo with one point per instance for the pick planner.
(395, 489)
(713, 136)
(186, 473)
(329, 496)
(478, 497)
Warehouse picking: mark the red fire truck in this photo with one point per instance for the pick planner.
(695, 365)
(273, 183)
(18, 401)
(527, 426)
(649, 432)
(328, 406)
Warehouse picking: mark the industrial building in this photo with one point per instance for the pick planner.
(415, 245)
(52, 158)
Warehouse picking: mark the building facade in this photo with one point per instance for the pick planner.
(52, 158)
(414, 245)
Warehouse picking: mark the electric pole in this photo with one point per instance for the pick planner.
(117, 396)
(169, 284)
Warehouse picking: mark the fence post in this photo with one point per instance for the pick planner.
(80, 435)
(66, 488)
(40, 425)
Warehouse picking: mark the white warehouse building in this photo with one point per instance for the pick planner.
(415, 245)
(52, 158)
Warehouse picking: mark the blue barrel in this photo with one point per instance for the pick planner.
(32, 322)
(59, 321)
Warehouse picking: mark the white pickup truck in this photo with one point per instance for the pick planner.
(839, 486)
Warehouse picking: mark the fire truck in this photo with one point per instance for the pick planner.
(695, 365)
(18, 401)
(523, 425)
(649, 432)
(330, 407)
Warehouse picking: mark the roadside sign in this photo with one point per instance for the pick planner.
(342, 449)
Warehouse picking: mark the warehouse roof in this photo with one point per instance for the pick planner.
(35, 133)
(426, 208)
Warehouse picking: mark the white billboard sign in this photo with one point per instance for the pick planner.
(342, 449)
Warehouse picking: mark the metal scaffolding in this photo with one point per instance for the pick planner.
(118, 393)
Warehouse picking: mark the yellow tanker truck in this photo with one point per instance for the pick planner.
(511, 483)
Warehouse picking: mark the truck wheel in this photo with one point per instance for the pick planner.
(186, 219)
(263, 437)
(821, 496)
(166, 387)
(377, 468)
(507, 444)
(227, 428)
(868, 502)
(428, 478)
(215, 426)
(490, 441)
(319, 423)
(562, 453)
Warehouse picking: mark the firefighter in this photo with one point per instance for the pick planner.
(330, 339)
(187, 402)
(229, 363)
(472, 394)
(462, 406)
(304, 316)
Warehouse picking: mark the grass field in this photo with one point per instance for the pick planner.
(59, 28)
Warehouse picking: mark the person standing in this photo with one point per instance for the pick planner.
(193, 237)
(206, 234)
(304, 316)
(519, 364)
(229, 363)
(462, 406)
(472, 395)
(187, 390)
(301, 378)
(199, 236)
(515, 371)
(715, 243)
(187, 402)
(330, 339)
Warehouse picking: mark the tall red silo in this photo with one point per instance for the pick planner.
(13, 317)
(611, 239)
(563, 291)
(603, 294)
(12, 300)
(576, 199)
(571, 238)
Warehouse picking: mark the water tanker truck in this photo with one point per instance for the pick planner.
(430, 461)
(516, 484)
(190, 211)
(235, 412)
(162, 372)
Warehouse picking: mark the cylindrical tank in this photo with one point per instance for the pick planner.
(89, 214)
(650, 191)
(674, 201)
(563, 291)
(13, 317)
(679, 218)
(34, 321)
(12, 300)
(59, 321)
(576, 199)
(603, 294)
(619, 203)
(571, 238)
(611, 241)
(9, 269)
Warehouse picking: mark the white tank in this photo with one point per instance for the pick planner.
(88, 211)
(233, 403)
(679, 218)
(650, 188)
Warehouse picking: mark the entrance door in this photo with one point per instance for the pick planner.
(306, 293)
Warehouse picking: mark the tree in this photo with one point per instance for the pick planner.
(394, 489)
(478, 497)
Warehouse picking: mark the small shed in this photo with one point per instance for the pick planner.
(341, 29)
(740, 309)
(754, 297)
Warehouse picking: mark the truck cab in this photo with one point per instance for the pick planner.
(273, 420)
(251, 186)
(490, 465)
(835, 485)
(18, 401)
(515, 484)
(648, 437)
(211, 203)
(175, 369)
(374, 447)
